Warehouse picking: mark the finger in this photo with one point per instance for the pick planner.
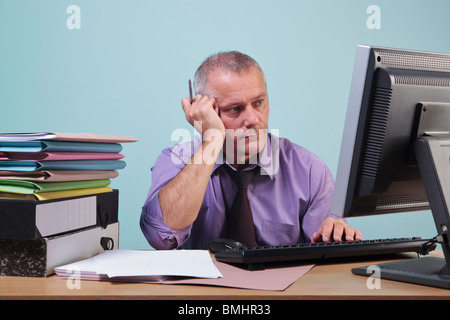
(202, 107)
(185, 104)
(206, 100)
(338, 230)
(217, 109)
(316, 237)
(351, 234)
(193, 109)
(326, 229)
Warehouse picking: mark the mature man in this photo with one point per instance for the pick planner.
(195, 196)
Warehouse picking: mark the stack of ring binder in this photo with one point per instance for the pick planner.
(56, 205)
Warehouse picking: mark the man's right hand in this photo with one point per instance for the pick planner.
(203, 114)
(181, 198)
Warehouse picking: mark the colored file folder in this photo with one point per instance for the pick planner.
(62, 165)
(20, 186)
(46, 156)
(54, 194)
(59, 175)
(86, 137)
(58, 146)
(46, 165)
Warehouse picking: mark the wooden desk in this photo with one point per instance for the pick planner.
(325, 281)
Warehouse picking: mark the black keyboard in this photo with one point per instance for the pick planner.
(319, 251)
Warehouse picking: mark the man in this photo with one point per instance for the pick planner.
(193, 186)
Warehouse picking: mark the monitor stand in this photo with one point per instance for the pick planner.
(432, 152)
(428, 271)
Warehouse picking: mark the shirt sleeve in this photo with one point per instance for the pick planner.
(157, 233)
(321, 196)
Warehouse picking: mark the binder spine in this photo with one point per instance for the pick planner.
(19, 218)
(39, 257)
(23, 257)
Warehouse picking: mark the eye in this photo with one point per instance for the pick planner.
(258, 102)
(234, 110)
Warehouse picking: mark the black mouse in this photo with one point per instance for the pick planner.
(224, 244)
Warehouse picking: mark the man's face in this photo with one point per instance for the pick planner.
(244, 109)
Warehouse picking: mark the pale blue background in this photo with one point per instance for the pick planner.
(125, 71)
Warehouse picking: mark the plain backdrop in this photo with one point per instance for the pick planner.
(125, 70)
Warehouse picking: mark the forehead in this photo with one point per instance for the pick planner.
(228, 85)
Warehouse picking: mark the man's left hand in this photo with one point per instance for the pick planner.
(335, 230)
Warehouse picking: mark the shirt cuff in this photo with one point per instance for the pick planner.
(158, 234)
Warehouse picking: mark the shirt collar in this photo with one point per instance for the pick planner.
(267, 161)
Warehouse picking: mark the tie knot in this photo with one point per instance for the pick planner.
(242, 178)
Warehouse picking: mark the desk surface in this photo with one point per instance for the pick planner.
(324, 281)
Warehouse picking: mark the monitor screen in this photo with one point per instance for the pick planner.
(377, 169)
(395, 152)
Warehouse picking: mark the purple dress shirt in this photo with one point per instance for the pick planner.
(289, 198)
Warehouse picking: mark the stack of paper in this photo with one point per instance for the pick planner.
(188, 267)
(142, 265)
(46, 166)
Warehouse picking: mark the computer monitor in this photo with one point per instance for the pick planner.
(395, 151)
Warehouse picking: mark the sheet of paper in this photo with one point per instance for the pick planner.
(139, 264)
(85, 269)
(274, 278)
(131, 263)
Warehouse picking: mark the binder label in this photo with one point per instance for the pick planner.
(63, 216)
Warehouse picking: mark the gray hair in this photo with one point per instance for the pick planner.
(233, 61)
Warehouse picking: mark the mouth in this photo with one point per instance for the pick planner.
(250, 134)
(242, 145)
(250, 140)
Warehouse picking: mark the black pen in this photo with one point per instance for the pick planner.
(190, 91)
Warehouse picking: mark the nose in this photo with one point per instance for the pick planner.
(250, 117)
